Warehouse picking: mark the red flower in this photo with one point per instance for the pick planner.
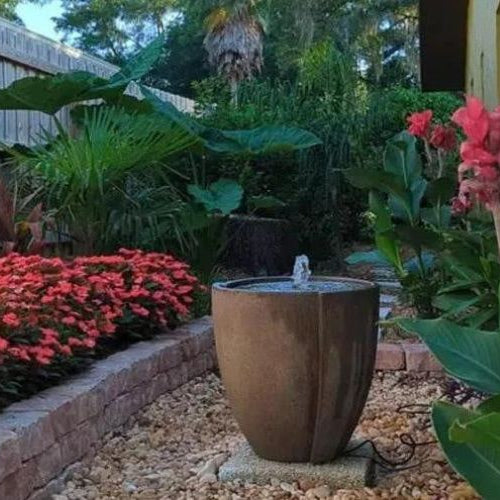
(71, 305)
(11, 319)
(420, 123)
(443, 138)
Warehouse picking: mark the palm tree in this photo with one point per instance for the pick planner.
(234, 41)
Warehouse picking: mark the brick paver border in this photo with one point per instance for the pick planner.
(45, 438)
(412, 357)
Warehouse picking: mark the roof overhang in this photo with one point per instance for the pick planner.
(443, 44)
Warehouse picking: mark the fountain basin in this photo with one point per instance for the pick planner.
(297, 364)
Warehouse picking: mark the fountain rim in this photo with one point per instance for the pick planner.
(235, 286)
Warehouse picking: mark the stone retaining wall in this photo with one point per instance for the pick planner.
(43, 437)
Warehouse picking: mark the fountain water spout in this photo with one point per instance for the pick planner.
(301, 271)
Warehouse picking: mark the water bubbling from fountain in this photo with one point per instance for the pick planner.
(301, 272)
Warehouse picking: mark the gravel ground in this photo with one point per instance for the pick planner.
(174, 447)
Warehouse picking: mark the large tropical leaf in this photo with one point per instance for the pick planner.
(479, 464)
(482, 431)
(385, 241)
(402, 159)
(439, 217)
(139, 65)
(265, 140)
(381, 181)
(262, 140)
(456, 303)
(223, 196)
(419, 237)
(467, 354)
(50, 93)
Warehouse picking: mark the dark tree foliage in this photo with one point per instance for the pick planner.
(381, 35)
(8, 10)
(114, 29)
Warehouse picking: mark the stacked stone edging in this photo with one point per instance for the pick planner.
(412, 357)
(41, 438)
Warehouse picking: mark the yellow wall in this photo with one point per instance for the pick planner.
(483, 77)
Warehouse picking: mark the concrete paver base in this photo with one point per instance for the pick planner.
(354, 471)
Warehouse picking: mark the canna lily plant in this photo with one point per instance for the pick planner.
(470, 437)
(479, 173)
(409, 207)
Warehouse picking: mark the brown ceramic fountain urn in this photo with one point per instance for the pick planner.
(297, 364)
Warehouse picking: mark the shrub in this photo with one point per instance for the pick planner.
(55, 314)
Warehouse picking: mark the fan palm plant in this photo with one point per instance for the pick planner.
(234, 41)
(87, 177)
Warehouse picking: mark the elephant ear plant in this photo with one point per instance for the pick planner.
(98, 177)
(469, 437)
(409, 208)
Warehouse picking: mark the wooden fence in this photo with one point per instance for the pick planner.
(24, 53)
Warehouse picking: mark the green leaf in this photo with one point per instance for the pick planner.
(482, 431)
(480, 465)
(461, 285)
(139, 65)
(402, 159)
(48, 94)
(389, 248)
(377, 205)
(441, 191)
(265, 140)
(374, 257)
(264, 201)
(223, 196)
(418, 188)
(385, 241)
(481, 318)
(463, 268)
(439, 217)
(491, 405)
(467, 354)
(419, 237)
(455, 303)
(386, 182)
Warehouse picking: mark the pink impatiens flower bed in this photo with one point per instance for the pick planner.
(54, 312)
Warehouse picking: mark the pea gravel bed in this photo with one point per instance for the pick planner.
(172, 450)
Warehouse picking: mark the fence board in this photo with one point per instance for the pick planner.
(24, 53)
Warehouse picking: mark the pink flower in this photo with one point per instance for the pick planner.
(479, 174)
(476, 154)
(420, 123)
(474, 120)
(494, 136)
(11, 319)
(443, 138)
